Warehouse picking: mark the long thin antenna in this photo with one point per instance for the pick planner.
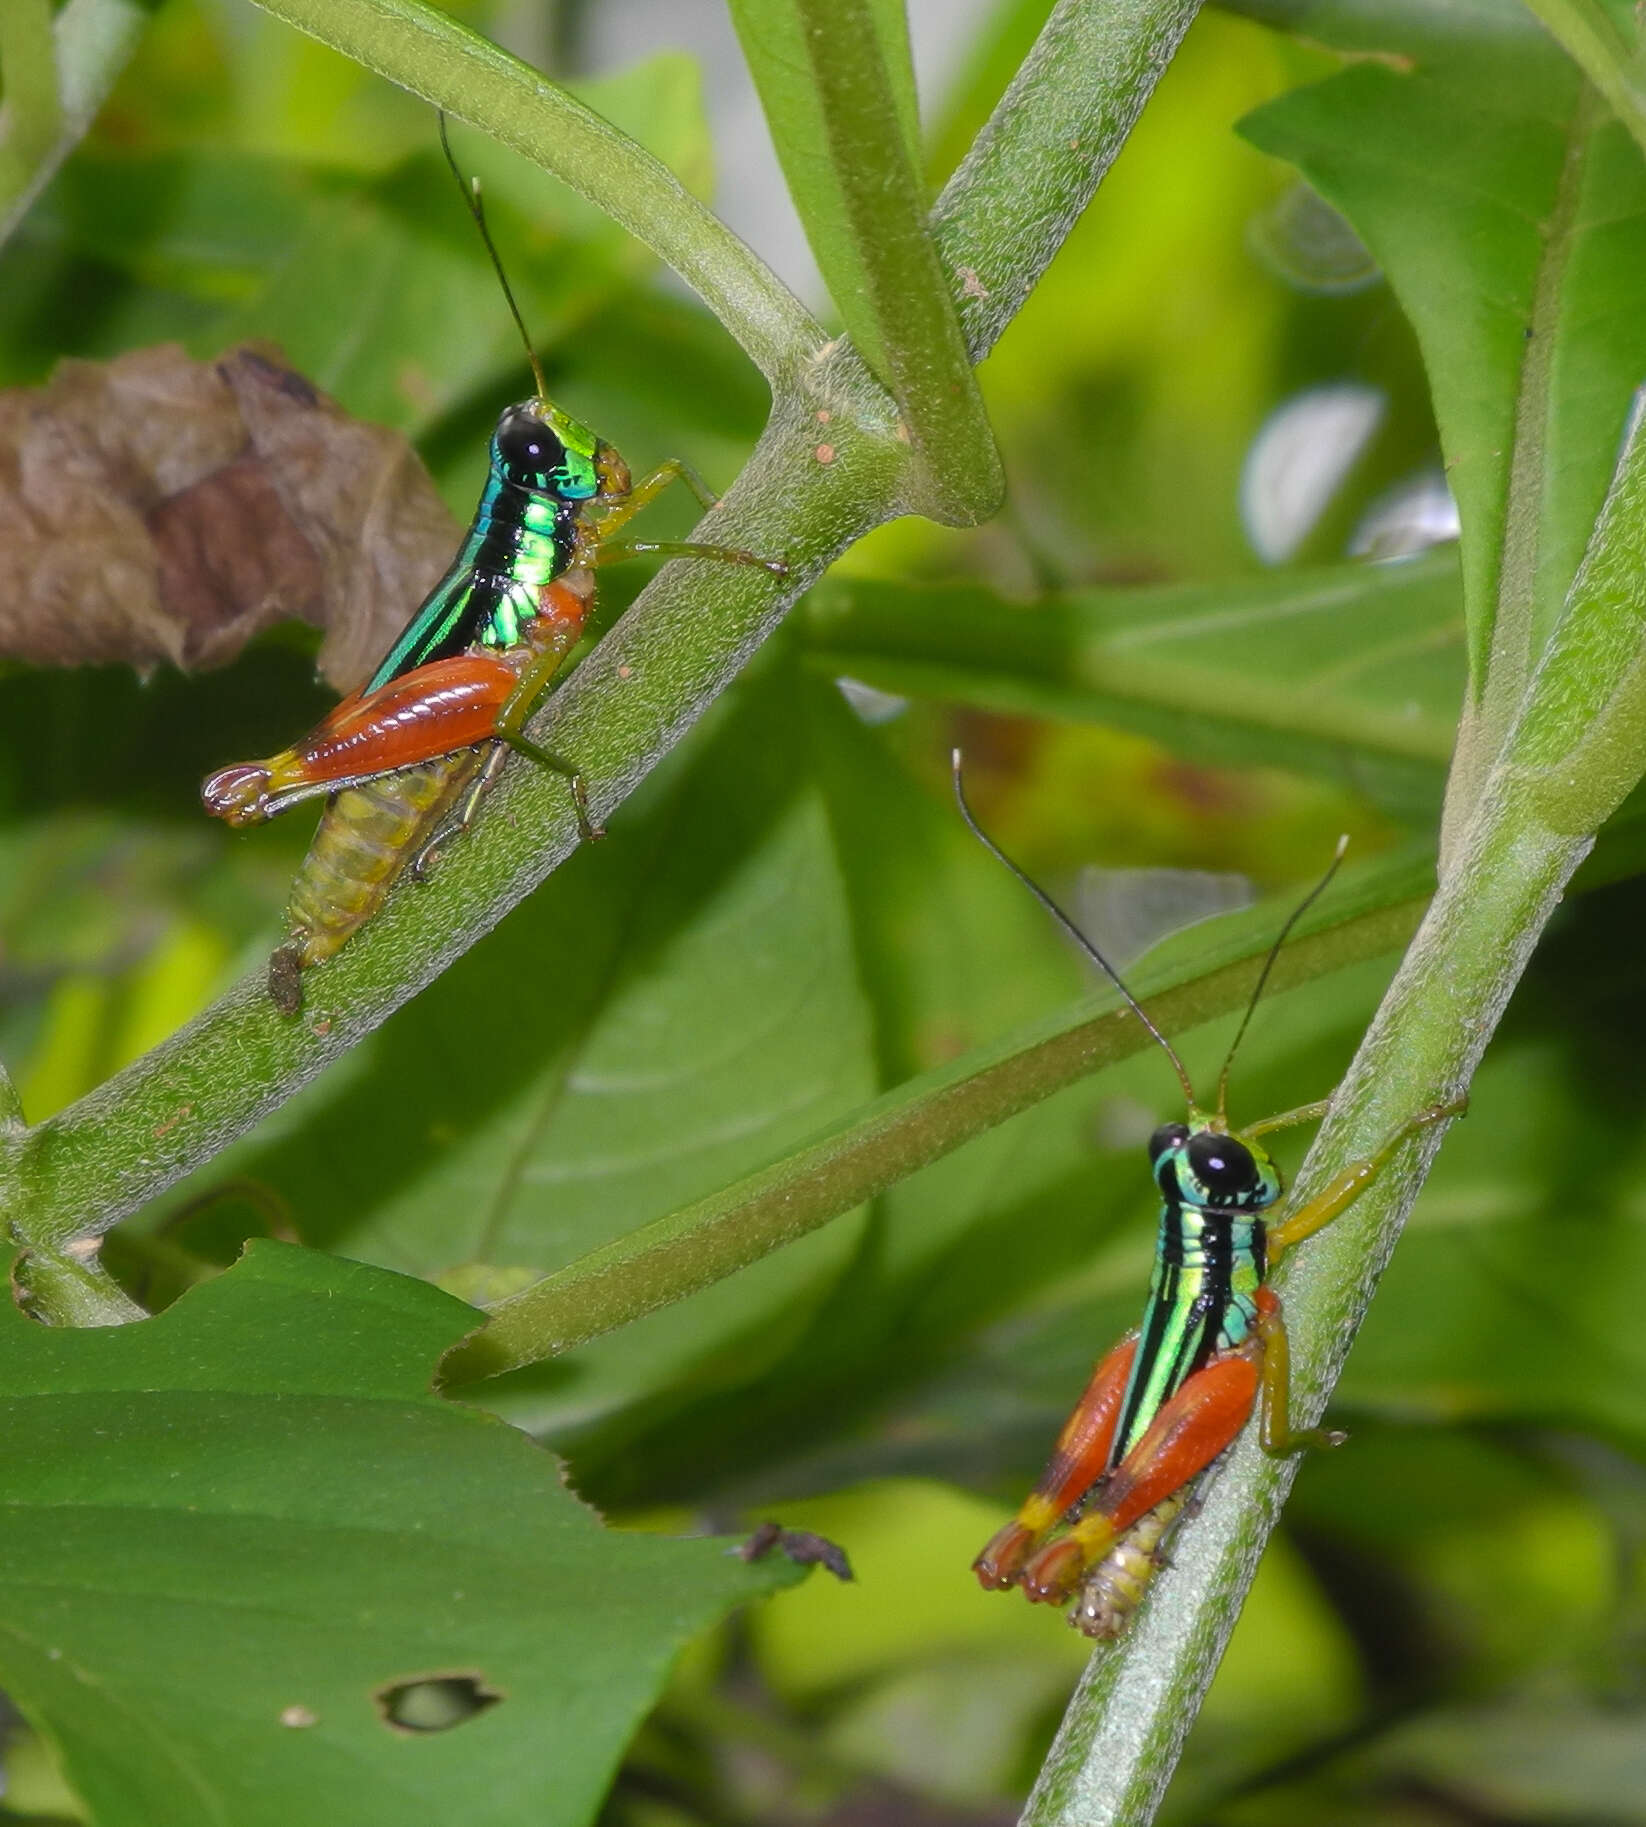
(1069, 927)
(470, 188)
(1297, 914)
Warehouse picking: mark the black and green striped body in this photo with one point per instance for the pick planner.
(531, 529)
(531, 519)
(1210, 1260)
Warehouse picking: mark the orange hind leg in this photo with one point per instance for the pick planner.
(1182, 1440)
(1076, 1464)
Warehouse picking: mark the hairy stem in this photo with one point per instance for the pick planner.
(1046, 148)
(639, 693)
(1577, 747)
(919, 1122)
(908, 302)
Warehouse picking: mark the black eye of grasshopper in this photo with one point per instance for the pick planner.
(529, 453)
(1223, 1166)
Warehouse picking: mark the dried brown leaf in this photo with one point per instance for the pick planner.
(159, 509)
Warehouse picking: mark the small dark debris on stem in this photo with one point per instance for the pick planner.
(285, 979)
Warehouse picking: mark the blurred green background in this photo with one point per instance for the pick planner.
(787, 920)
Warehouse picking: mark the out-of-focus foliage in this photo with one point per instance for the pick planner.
(163, 511)
(788, 920)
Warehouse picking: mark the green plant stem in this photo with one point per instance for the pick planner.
(1578, 746)
(875, 1148)
(71, 1288)
(638, 694)
(430, 54)
(1046, 148)
(912, 334)
(773, 38)
(56, 76)
(1585, 31)
(681, 644)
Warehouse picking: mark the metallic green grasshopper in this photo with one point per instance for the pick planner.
(406, 759)
(1172, 1396)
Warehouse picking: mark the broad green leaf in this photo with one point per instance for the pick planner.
(358, 283)
(746, 960)
(1350, 671)
(366, 296)
(1603, 38)
(675, 1005)
(236, 1529)
(1509, 213)
(213, 227)
(1477, 1267)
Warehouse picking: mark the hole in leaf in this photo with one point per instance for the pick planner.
(433, 1702)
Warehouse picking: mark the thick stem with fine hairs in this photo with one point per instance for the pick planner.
(684, 640)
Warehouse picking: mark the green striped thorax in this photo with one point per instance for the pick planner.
(531, 526)
(1210, 1261)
